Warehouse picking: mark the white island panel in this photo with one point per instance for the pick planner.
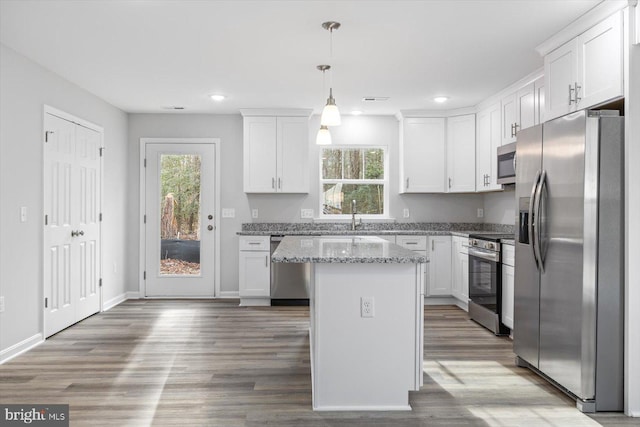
(366, 363)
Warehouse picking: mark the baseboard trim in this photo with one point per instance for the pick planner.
(21, 347)
(133, 295)
(440, 301)
(229, 294)
(108, 305)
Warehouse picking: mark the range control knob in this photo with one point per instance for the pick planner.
(490, 246)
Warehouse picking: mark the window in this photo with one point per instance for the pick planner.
(348, 174)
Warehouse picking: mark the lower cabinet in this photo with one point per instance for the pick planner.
(255, 270)
(439, 283)
(460, 269)
(508, 282)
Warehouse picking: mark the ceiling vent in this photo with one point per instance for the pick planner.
(172, 107)
(375, 98)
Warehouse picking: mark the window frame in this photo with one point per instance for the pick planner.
(384, 182)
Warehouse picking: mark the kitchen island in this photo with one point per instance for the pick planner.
(366, 320)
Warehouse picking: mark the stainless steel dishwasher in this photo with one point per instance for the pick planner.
(289, 281)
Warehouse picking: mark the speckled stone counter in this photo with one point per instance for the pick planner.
(344, 250)
(371, 229)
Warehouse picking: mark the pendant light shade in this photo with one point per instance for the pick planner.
(330, 113)
(324, 136)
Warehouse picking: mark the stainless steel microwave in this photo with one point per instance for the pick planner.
(507, 164)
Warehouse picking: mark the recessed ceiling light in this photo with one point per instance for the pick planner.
(217, 98)
(441, 99)
(356, 112)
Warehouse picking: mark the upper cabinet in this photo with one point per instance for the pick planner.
(461, 150)
(422, 154)
(488, 139)
(275, 152)
(586, 71)
(520, 110)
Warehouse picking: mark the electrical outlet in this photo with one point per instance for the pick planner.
(254, 213)
(306, 213)
(228, 213)
(480, 213)
(1, 304)
(405, 213)
(366, 307)
(23, 214)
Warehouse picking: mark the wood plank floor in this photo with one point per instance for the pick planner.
(212, 363)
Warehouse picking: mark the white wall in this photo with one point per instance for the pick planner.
(374, 130)
(500, 207)
(25, 87)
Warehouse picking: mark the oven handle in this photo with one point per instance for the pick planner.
(486, 255)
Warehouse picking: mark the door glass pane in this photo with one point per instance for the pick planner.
(180, 214)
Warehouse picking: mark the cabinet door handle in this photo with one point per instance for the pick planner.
(575, 91)
(266, 260)
(488, 180)
(432, 245)
(407, 183)
(571, 89)
(515, 129)
(449, 182)
(280, 183)
(511, 130)
(273, 183)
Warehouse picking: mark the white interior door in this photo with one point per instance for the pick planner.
(180, 219)
(72, 185)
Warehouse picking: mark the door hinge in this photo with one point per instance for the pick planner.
(100, 217)
(101, 150)
(100, 283)
(145, 163)
(46, 302)
(46, 220)
(145, 219)
(46, 135)
(144, 275)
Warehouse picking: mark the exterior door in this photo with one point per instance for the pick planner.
(72, 179)
(180, 219)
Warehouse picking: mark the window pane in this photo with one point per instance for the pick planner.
(353, 164)
(338, 199)
(331, 164)
(180, 208)
(374, 164)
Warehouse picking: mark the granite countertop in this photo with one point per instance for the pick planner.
(350, 250)
(347, 233)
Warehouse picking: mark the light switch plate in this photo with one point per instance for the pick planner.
(480, 213)
(23, 214)
(254, 213)
(306, 213)
(405, 213)
(228, 213)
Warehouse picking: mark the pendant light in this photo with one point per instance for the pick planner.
(330, 113)
(324, 136)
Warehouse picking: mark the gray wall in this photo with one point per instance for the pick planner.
(500, 207)
(373, 130)
(26, 88)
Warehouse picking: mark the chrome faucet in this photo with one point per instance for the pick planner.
(354, 224)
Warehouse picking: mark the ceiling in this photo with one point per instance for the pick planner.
(144, 56)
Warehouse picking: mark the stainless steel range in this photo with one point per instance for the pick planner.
(485, 281)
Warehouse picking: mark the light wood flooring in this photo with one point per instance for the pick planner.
(212, 363)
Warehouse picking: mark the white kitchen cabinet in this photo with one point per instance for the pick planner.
(254, 270)
(508, 282)
(488, 140)
(461, 149)
(538, 88)
(275, 152)
(439, 248)
(585, 71)
(518, 112)
(460, 268)
(422, 154)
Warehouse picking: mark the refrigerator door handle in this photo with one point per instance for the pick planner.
(538, 226)
(530, 225)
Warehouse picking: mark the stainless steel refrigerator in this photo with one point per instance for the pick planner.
(568, 312)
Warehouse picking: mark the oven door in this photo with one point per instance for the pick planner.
(484, 278)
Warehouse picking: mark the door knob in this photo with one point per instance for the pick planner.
(210, 216)
(210, 227)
